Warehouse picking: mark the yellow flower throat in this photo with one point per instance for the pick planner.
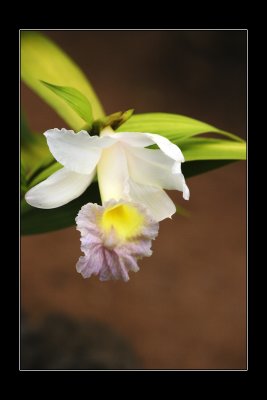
(125, 219)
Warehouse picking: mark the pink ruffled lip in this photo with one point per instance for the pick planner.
(105, 255)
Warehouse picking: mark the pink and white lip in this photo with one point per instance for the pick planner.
(106, 255)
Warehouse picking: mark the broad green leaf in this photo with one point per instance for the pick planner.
(26, 135)
(172, 126)
(34, 152)
(205, 154)
(34, 149)
(212, 149)
(24, 207)
(77, 101)
(41, 59)
(23, 180)
(36, 220)
(44, 171)
(180, 130)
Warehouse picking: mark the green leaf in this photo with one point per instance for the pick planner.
(202, 154)
(42, 60)
(34, 150)
(212, 149)
(172, 126)
(23, 180)
(26, 135)
(36, 220)
(46, 169)
(78, 102)
(205, 154)
(34, 153)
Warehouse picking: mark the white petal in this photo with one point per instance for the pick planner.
(186, 192)
(153, 167)
(170, 149)
(79, 152)
(141, 139)
(112, 173)
(59, 189)
(158, 203)
(135, 139)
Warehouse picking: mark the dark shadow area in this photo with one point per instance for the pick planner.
(60, 342)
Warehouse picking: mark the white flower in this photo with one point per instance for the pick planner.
(131, 180)
(125, 168)
(113, 237)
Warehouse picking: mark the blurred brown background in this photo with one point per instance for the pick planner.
(186, 307)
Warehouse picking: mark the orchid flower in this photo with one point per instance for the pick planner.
(126, 170)
(131, 180)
